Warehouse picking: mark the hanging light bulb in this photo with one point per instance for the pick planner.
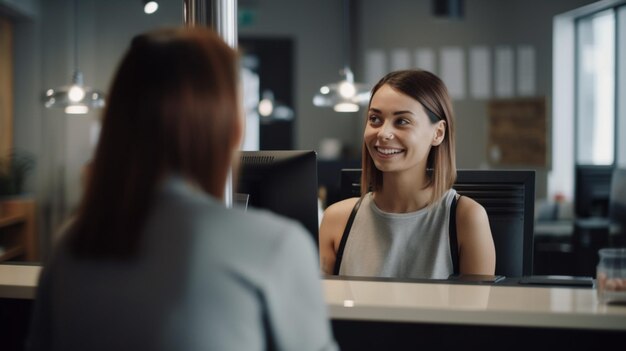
(76, 93)
(347, 89)
(345, 95)
(266, 105)
(75, 98)
(272, 110)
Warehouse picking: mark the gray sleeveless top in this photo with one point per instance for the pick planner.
(399, 245)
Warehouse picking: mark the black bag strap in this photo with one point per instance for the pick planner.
(454, 246)
(344, 237)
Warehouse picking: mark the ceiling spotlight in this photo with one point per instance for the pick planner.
(150, 6)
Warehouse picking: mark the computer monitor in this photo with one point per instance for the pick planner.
(508, 196)
(350, 183)
(284, 182)
(592, 189)
(329, 175)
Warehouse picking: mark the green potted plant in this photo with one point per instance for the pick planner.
(14, 168)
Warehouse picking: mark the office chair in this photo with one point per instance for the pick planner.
(508, 196)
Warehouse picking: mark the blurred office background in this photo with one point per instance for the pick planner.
(534, 85)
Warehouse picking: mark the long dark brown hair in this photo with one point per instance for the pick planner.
(172, 108)
(430, 91)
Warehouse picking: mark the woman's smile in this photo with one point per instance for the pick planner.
(386, 152)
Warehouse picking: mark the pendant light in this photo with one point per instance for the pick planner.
(272, 110)
(345, 95)
(75, 98)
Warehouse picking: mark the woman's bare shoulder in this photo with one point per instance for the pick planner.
(472, 220)
(341, 209)
(468, 208)
(331, 230)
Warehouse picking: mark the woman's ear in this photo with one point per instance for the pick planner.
(440, 133)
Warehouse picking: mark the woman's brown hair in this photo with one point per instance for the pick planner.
(430, 91)
(172, 108)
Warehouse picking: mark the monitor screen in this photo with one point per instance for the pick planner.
(350, 183)
(284, 182)
(329, 175)
(591, 194)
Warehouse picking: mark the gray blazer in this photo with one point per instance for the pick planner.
(207, 278)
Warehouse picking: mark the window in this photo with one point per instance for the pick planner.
(589, 92)
(595, 89)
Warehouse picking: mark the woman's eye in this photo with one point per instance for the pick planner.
(403, 121)
(374, 119)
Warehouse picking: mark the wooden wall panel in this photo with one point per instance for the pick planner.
(517, 132)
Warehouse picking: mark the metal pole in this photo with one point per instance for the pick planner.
(221, 15)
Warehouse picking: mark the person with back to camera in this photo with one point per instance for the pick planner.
(153, 259)
(409, 222)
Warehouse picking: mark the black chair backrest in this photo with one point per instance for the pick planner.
(508, 196)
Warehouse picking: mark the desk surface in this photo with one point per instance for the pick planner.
(471, 304)
(554, 228)
(383, 301)
(18, 281)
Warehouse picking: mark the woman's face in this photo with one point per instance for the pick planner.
(398, 132)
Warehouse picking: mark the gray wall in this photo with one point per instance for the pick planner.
(408, 24)
(44, 59)
(491, 23)
(315, 27)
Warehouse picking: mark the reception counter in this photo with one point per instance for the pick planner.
(390, 314)
(371, 315)
(515, 306)
(18, 281)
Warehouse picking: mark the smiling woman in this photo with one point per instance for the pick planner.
(408, 222)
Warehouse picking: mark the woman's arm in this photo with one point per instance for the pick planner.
(477, 254)
(296, 310)
(331, 229)
(40, 329)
